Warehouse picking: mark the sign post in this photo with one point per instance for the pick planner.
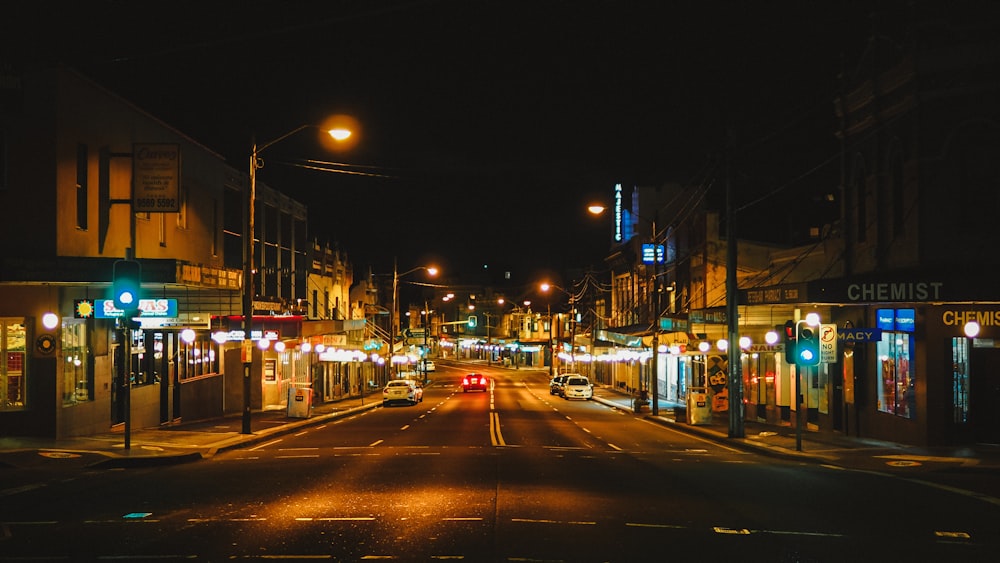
(828, 343)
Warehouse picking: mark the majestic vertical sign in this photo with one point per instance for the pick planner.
(156, 178)
(618, 213)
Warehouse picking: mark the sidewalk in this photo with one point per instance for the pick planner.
(190, 441)
(787, 442)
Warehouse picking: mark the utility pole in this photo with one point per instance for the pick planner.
(736, 428)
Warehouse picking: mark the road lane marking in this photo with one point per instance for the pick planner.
(543, 521)
(375, 443)
(333, 519)
(462, 519)
(496, 437)
(405, 427)
(732, 531)
(265, 444)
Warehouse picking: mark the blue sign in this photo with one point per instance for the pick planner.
(651, 253)
(905, 320)
(902, 320)
(148, 308)
(859, 334)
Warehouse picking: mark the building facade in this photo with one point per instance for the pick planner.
(94, 180)
(899, 280)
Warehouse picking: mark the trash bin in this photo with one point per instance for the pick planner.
(299, 400)
(699, 409)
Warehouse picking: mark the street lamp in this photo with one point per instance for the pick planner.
(337, 133)
(394, 321)
(652, 255)
(546, 287)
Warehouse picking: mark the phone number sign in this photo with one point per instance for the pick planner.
(156, 175)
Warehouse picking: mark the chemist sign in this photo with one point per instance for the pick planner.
(828, 343)
(156, 178)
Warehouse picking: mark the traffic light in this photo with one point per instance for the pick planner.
(806, 345)
(126, 284)
(789, 338)
(472, 321)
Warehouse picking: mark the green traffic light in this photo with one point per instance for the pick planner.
(126, 284)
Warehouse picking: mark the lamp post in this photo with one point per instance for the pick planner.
(654, 257)
(337, 134)
(394, 321)
(427, 328)
(546, 287)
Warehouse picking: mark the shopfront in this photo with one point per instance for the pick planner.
(906, 369)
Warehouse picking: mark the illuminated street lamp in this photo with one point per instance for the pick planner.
(336, 132)
(394, 321)
(654, 257)
(545, 287)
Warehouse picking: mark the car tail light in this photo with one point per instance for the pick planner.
(465, 381)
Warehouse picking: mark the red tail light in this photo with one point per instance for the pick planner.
(465, 381)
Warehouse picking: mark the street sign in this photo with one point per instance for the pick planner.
(828, 343)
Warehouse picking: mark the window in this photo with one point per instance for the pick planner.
(3, 160)
(960, 380)
(214, 235)
(81, 186)
(78, 378)
(197, 358)
(896, 382)
(13, 369)
(182, 213)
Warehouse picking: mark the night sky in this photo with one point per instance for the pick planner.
(485, 126)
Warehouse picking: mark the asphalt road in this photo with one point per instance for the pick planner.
(512, 474)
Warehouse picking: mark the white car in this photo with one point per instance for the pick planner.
(577, 387)
(402, 391)
(427, 365)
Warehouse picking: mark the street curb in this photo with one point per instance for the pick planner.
(245, 440)
(145, 461)
(742, 443)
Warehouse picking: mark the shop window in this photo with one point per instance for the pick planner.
(78, 377)
(149, 360)
(13, 368)
(82, 197)
(197, 358)
(896, 381)
(960, 380)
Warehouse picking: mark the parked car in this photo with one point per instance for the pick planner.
(577, 387)
(475, 381)
(402, 391)
(556, 383)
(427, 365)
